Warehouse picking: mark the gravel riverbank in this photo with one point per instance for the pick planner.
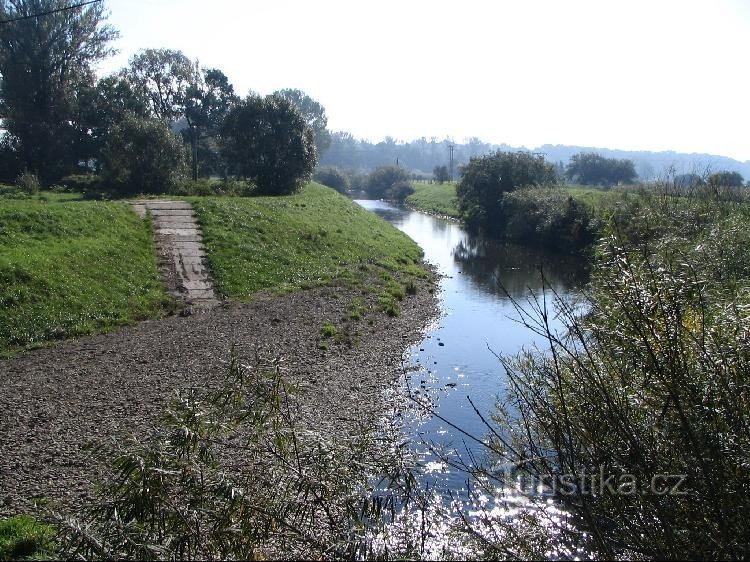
(56, 400)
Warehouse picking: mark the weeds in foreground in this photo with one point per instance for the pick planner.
(232, 476)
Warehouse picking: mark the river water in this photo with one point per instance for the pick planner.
(456, 358)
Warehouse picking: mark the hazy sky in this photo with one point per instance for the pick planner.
(630, 74)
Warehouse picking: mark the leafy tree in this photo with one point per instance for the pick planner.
(726, 179)
(382, 178)
(332, 177)
(143, 156)
(104, 105)
(589, 168)
(44, 62)
(267, 140)
(441, 174)
(399, 191)
(313, 112)
(486, 178)
(207, 101)
(164, 75)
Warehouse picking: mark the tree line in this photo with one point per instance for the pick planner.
(142, 128)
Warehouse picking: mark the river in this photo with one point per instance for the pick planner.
(456, 359)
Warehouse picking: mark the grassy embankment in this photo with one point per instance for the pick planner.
(435, 198)
(315, 237)
(70, 267)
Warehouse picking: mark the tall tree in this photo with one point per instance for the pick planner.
(165, 76)
(726, 178)
(105, 105)
(441, 174)
(207, 101)
(268, 141)
(44, 61)
(313, 112)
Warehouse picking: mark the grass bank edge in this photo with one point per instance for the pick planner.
(313, 238)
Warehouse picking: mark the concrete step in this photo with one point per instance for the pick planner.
(156, 205)
(178, 231)
(171, 212)
(178, 238)
(180, 245)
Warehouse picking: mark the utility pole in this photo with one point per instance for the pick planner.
(451, 147)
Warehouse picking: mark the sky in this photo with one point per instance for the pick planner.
(627, 74)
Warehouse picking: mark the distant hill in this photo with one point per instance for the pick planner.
(422, 155)
(651, 165)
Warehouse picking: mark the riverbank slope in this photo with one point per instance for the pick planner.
(71, 267)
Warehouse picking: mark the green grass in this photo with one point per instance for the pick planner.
(24, 538)
(328, 330)
(595, 197)
(70, 267)
(437, 198)
(312, 238)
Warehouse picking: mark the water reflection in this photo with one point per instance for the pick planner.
(494, 266)
(457, 358)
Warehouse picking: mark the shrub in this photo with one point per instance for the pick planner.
(29, 183)
(143, 156)
(399, 191)
(382, 178)
(486, 178)
(328, 330)
(82, 182)
(332, 177)
(548, 217)
(207, 187)
(653, 381)
(231, 476)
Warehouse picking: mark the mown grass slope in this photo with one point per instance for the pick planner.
(70, 267)
(314, 237)
(438, 198)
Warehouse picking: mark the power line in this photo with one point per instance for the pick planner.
(74, 6)
(451, 147)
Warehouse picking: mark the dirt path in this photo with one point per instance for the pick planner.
(54, 401)
(181, 252)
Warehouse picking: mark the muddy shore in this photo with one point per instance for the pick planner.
(56, 400)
